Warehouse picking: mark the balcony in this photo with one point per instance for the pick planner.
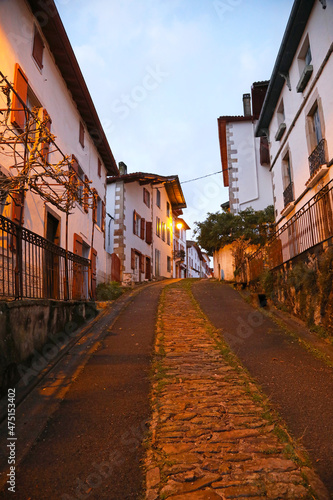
(317, 158)
(288, 194)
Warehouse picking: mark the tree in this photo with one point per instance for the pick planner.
(249, 227)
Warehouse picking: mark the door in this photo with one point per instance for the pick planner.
(51, 259)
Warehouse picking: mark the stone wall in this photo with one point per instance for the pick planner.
(36, 328)
(304, 287)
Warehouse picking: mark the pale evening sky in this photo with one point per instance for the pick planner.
(160, 72)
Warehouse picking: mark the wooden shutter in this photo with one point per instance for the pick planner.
(85, 194)
(94, 210)
(77, 274)
(93, 257)
(18, 207)
(142, 232)
(103, 217)
(81, 134)
(142, 263)
(132, 258)
(149, 232)
(38, 49)
(264, 151)
(21, 88)
(45, 145)
(134, 222)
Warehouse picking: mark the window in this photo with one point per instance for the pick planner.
(281, 119)
(158, 227)
(316, 137)
(38, 49)
(157, 262)
(163, 231)
(169, 264)
(168, 209)
(158, 198)
(81, 134)
(146, 197)
(138, 225)
(288, 193)
(168, 236)
(99, 168)
(316, 125)
(304, 65)
(99, 213)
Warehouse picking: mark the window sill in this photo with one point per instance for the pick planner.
(322, 170)
(305, 77)
(281, 130)
(287, 209)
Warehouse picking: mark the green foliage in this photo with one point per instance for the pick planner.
(223, 228)
(108, 291)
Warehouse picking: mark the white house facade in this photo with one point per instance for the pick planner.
(38, 65)
(194, 260)
(245, 159)
(297, 118)
(141, 229)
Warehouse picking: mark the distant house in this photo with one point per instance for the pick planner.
(194, 260)
(139, 231)
(245, 158)
(297, 119)
(179, 245)
(246, 168)
(48, 95)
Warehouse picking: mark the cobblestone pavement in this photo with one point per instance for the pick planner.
(213, 435)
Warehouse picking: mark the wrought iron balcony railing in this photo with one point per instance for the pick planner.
(317, 157)
(288, 194)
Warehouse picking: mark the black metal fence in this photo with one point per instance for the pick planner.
(309, 226)
(33, 267)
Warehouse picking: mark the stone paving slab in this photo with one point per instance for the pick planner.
(212, 434)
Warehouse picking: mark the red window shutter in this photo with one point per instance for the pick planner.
(149, 232)
(21, 89)
(142, 263)
(38, 49)
(264, 151)
(103, 216)
(142, 232)
(99, 168)
(93, 258)
(81, 134)
(132, 258)
(77, 287)
(85, 194)
(18, 207)
(134, 222)
(75, 164)
(45, 145)
(94, 210)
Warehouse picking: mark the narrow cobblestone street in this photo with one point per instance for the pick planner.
(213, 435)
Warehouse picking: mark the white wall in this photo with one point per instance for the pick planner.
(224, 263)
(193, 263)
(252, 180)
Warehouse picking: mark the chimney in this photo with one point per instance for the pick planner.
(122, 168)
(247, 104)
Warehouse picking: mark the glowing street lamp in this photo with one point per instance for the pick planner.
(179, 225)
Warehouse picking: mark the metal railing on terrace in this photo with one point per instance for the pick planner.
(309, 226)
(31, 267)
